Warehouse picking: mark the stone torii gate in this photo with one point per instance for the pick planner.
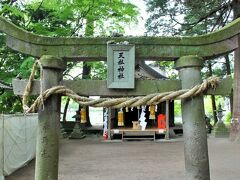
(188, 53)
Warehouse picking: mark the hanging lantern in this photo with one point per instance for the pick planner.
(126, 108)
(152, 112)
(120, 118)
(83, 115)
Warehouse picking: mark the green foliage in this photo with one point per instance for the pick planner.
(98, 70)
(12, 65)
(177, 108)
(58, 18)
(9, 63)
(26, 68)
(187, 17)
(64, 18)
(228, 117)
(210, 16)
(10, 103)
(168, 67)
(208, 104)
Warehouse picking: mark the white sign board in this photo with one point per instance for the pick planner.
(121, 66)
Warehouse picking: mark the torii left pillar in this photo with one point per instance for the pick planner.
(49, 121)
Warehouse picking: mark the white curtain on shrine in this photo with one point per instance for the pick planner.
(17, 141)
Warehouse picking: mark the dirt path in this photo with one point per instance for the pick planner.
(92, 159)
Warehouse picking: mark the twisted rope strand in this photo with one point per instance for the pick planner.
(151, 99)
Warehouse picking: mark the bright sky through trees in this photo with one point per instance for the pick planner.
(139, 29)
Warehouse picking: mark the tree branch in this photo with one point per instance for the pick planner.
(224, 6)
(33, 14)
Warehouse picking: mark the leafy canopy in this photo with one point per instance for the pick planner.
(58, 18)
(185, 17)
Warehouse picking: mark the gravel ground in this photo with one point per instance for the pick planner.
(93, 159)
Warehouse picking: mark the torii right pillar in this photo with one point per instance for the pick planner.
(235, 126)
(194, 125)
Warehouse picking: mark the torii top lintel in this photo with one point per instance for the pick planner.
(147, 48)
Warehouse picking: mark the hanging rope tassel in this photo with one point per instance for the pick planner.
(120, 118)
(152, 112)
(83, 115)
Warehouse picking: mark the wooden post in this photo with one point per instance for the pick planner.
(194, 125)
(109, 122)
(49, 121)
(234, 132)
(167, 120)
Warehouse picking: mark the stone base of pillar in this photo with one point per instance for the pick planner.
(78, 132)
(235, 131)
(172, 134)
(220, 130)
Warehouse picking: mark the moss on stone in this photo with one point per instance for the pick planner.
(49, 61)
(189, 61)
(228, 31)
(168, 48)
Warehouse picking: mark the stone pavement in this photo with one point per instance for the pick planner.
(93, 159)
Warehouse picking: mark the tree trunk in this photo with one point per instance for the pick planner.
(214, 108)
(236, 8)
(88, 123)
(86, 71)
(89, 31)
(228, 68)
(85, 75)
(65, 109)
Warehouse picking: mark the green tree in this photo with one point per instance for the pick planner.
(185, 17)
(59, 18)
(64, 18)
